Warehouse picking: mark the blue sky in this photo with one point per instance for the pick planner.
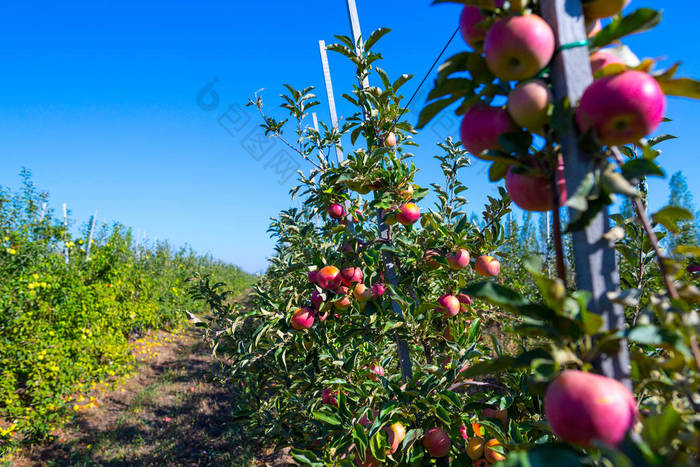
(99, 100)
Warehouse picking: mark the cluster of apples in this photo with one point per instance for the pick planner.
(437, 443)
(344, 284)
(620, 107)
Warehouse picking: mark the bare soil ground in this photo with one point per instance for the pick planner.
(170, 413)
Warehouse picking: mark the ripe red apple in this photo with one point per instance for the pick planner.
(473, 27)
(336, 211)
(518, 47)
(375, 371)
(458, 259)
(351, 275)
(596, 9)
(582, 407)
(396, 433)
(487, 266)
(378, 290)
(482, 125)
(491, 455)
(328, 278)
(316, 299)
(390, 140)
(302, 318)
(436, 442)
(602, 58)
(328, 397)
(622, 108)
(312, 276)
(408, 214)
(464, 301)
(529, 192)
(362, 293)
(528, 104)
(448, 304)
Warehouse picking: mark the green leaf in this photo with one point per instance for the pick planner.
(496, 294)
(670, 216)
(431, 110)
(498, 170)
(660, 429)
(543, 455)
(638, 168)
(375, 36)
(653, 335)
(326, 417)
(637, 21)
(682, 87)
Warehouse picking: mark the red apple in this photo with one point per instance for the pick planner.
(602, 58)
(342, 303)
(595, 9)
(375, 371)
(482, 125)
(448, 304)
(491, 455)
(362, 293)
(436, 442)
(328, 397)
(529, 192)
(378, 290)
(464, 301)
(316, 299)
(408, 214)
(336, 211)
(351, 275)
(583, 407)
(396, 433)
(390, 140)
(528, 104)
(302, 318)
(312, 276)
(458, 259)
(473, 27)
(622, 108)
(518, 47)
(328, 278)
(487, 266)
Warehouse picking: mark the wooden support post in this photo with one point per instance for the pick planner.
(65, 234)
(329, 94)
(594, 256)
(92, 231)
(384, 229)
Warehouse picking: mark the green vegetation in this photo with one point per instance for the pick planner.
(63, 326)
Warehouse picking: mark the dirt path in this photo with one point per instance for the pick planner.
(169, 413)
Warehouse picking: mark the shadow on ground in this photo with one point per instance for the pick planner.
(171, 413)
